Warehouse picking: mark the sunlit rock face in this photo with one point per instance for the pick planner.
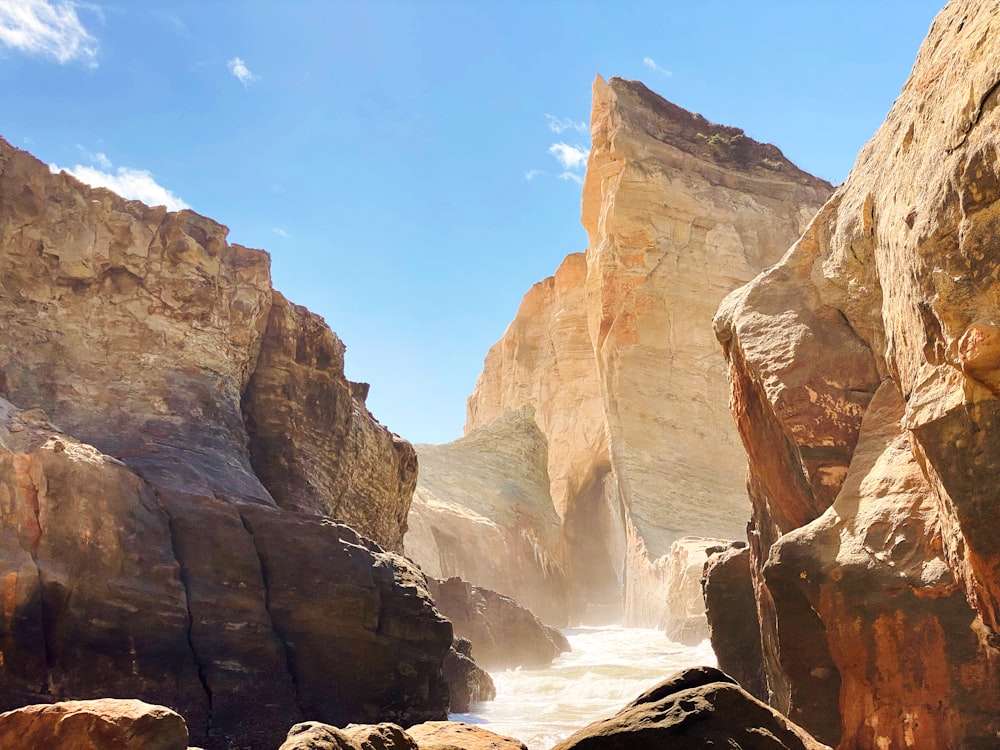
(615, 352)
(683, 618)
(140, 552)
(865, 387)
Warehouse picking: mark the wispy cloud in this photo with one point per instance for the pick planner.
(650, 63)
(532, 174)
(571, 177)
(240, 70)
(571, 157)
(282, 232)
(48, 29)
(562, 124)
(135, 184)
(99, 158)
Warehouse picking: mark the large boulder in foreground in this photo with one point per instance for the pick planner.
(503, 633)
(431, 735)
(105, 724)
(697, 708)
(163, 389)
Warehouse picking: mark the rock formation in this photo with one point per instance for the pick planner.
(683, 618)
(143, 556)
(106, 724)
(431, 735)
(864, 383)
(696, 708)
(482, 511)
(467, 681)
(731, 611)
(615, 352)
(504, 634)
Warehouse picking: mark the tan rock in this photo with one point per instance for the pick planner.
(683, 618)
(105, 724)
(457, 735)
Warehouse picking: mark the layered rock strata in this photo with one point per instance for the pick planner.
(699, 707)
(864, 383)
(616, 354)
(143, 556)
(482, 511)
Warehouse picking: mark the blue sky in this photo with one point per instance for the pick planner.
(413, 167)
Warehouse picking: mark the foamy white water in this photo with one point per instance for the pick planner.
(608, 667)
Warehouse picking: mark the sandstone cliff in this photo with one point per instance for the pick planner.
(143, 556)
(864, 370)
(616, 353)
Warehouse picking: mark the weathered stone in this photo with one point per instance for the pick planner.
(482, 511)
(105, 724)
(874, 547)
(457, 735)
(731, 611)
(700, 707)
(156, 564)
(314, 445)
(683, 619)
(615, 353)
(503, 633)
(467, 682)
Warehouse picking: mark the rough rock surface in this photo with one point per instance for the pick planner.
(683, 619)
(616, 354)
(864, 384)
(105, 724)
(731, 611)
(696, 708)
(503, 633)
(314, 735)
(142, 556)
(482, 511)
(467, 682)
(457, 735)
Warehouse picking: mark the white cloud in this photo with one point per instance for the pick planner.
(572, 177)
(571, 157)
(135, 184)
(239, 69)
(532, 174)
(99, 158)
(650, 63)
(281, 232)
(561, 124)
(46, 28)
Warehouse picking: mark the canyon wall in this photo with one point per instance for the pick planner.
(175, 439)
(865, 375)
(616, 354)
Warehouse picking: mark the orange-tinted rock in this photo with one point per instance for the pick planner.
(875, 549)
(457, 735)
(105, 724)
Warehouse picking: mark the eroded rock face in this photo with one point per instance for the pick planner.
(699, 707)
(482, 511)
(467, 681)
(143, 556)
(105, 724)
(683, 619)
(615, 352)
(863, 387)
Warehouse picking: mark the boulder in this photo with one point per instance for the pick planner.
(697, 708)
(503, 633)
(731, 611)
(467, 682)
(457, 735)
(105, 724)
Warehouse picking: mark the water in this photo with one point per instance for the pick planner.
(608, 667)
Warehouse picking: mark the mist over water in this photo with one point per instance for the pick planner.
(608, 667)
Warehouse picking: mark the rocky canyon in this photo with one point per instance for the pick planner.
(613, 368)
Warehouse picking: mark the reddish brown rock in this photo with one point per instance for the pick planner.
(503, 633)
(457, 735)
(105, 724)
(696, 708)
(874, 547)
(155, 563)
